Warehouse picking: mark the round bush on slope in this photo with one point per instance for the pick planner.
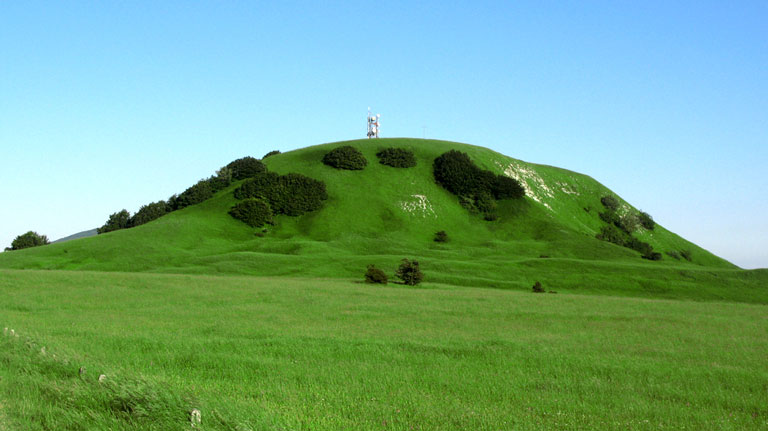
(290, 194)
(397, 157)
(253, 212)
(246, 167)
(346, 157)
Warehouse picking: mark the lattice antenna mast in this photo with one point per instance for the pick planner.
(373, 124)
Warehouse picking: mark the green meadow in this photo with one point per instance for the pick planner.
(316, 354)
(273, 328)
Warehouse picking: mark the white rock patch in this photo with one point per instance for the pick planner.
(418, 205)
(534, 185)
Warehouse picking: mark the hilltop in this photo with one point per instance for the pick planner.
(381, 214)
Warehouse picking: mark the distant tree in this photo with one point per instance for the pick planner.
(246, 167)
(27, 240)
(118, 220)
(149, 212)
(345, 157)
(397, 157)
(441, 236)
(225, 174)
(375, 275)
(610, 202)
(538, 288)
(271, 153)
(646, 220)
(409, 272)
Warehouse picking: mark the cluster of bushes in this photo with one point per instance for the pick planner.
(408, 272)
(271, 153)
(478, 189)
(27, 240)
(345, 157)
(619, 229)
(269, 194)
(203, 190)
(397, 157)
(441, 236)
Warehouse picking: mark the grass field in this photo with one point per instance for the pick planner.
(318, 354)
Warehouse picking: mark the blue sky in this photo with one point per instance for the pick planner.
(111, 105)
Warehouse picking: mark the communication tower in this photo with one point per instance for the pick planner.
(373, 124)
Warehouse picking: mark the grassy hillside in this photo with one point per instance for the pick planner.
(281, 353)
(382, 214)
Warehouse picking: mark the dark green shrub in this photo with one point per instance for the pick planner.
(397, 157)
(654, 255)
(628, 223)
(291, 194)
(346, 157)
(686, 254)
(477, 188)
(610, 202)
(375, 275)
(441, 236)
(296, 194)
(609, 216)
(27, 240)
(485, 203)
(504, 187)
(246, 167)
(253, 212)
(409, 272)
(458, 174)
(254, 187)
(149, 212)
(116, 221)
(200, 192)
(271, 153)
(613, 235)
(538, 288)
(492, 216)
(646, 220)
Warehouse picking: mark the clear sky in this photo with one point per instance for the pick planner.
(111, 105)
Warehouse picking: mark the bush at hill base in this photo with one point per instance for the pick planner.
(397, 157)
(375, 275)
(409, 272)
(345, 157)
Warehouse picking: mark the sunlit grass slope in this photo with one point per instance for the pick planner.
(382, 214)
(281, 353)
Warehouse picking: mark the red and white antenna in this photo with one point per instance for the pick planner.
(373, 124)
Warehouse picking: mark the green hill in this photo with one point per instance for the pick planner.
(382, 214)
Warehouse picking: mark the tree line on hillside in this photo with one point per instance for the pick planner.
(203, 190)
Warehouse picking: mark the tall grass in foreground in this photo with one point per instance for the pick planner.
(277, 353)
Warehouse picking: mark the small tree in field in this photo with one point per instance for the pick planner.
(441, 236)
(375, 275)
(409, 272)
